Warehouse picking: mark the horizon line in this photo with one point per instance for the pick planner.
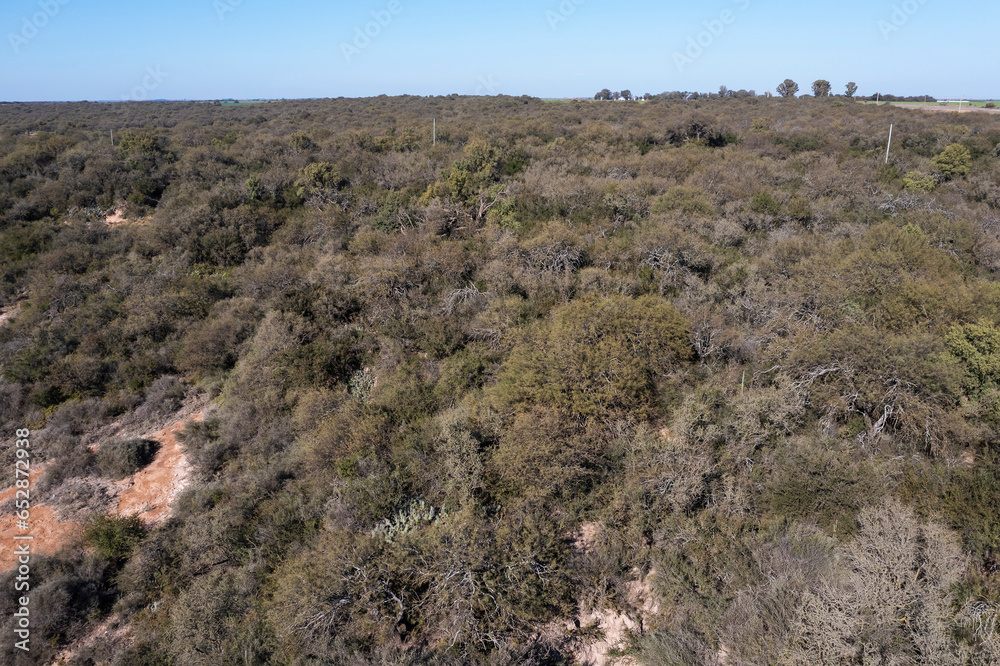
(955, 99)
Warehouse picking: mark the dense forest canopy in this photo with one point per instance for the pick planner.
(469, 390)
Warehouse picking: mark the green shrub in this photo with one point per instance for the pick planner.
(953, 161)
(978, 347)
(668, 649)
(484, 163)
(917, 181)
(763, 202)
(800, 142)
(121, 458)
(599, 356)
(138, 141)
(67, 591)
(699, 573)
(887, 173)
(819, 483)
(115, 537)
(213, 344)
(213, 622)
(688, 200)
(317, 176)
(900, 384)
(301, 141)
(542, 454)
(800, 209)
(964, 498)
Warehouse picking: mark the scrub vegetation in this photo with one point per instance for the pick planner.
(758, 364)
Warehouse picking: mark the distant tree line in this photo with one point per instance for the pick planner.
(620, 95)
(787, 88)
(897, 98)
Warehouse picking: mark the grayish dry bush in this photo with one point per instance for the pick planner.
(889, 600)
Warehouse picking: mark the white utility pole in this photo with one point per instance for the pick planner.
(888, 144)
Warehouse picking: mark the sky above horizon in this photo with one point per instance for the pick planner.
(67, 50)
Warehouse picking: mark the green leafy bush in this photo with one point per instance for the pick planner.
(952, 162)
(916, 181)
(115, 537)
(978, 347)
(139, 141)
(599, 356)
(763, 202)
(686, 199)
(120, 458)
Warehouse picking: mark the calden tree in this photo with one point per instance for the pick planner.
(821, 88)
(787, 88)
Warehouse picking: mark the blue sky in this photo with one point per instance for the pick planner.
(209, 49)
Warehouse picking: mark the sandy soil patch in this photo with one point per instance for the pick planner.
(115, 218)
(616, 627)
(8, 313)
(592, 638)
(49, 534)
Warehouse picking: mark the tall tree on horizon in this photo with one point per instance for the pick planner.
(787, 88)
(821, 88)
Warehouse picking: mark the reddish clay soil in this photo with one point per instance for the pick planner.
(154, 488)
(149, 493)
(49, 534)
